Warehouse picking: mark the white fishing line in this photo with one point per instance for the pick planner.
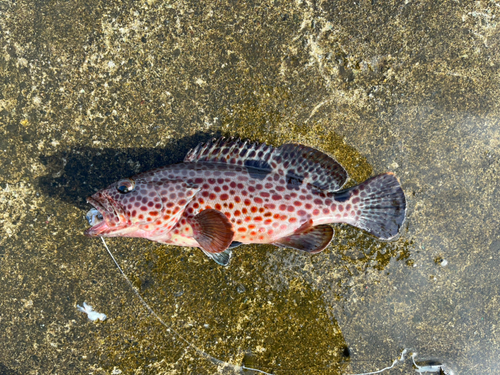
(169, 327)
(396, 361)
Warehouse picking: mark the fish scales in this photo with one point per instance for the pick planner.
(229, 192)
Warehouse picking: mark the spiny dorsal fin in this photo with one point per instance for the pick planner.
(313, 239)
(298, 163)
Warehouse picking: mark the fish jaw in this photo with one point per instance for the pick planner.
(102, 226)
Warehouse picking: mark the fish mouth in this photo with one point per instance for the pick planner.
(98, 218)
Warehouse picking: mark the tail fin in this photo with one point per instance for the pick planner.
(381, 205)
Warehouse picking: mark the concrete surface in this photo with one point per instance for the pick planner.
(92, 91)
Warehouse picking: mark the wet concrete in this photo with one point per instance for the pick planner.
(97, 90)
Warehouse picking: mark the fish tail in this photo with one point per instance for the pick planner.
(378, 205)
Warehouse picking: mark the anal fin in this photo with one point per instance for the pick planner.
(212, 230)
(312, 240)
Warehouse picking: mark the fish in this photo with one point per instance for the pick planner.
(228, 192)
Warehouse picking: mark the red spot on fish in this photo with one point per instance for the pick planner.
(297, 203)
(251, 226)
(258, 200)
(247, 202)
(140, 217)
(356, 200)
(205, 193)
(224, 197)
(348, 207)
(242, 229)
(318, 201)
(240, 186)
(251, 189)
(231, 205)
(334, 207)
(201, 200)
(248, 218)
(257, 218)
(280, 188)
(237, 213)
(264, 194)
(154, 213)
(150, 204)
(212, 196)
(276, 197)
(341, 208)
(270, 206)
(232, 184)
(182, 202)
(270, 232)
(282, 207)
(292, 219)
(217, 189)
(144, 208)
(316, 212)
(268, 221)
(290, 209)
(166, 217)
(326, 211)
(268, 185)
(276, 216)
(228, 215)
(218, 206)
(308, 206)
(134, 213)
(237, 199)
(225, 187)
(253, 209)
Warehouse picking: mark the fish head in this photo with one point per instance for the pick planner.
(137, 207)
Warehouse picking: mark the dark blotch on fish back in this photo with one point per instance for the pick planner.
(257, 169)
(342, 196)
(293, 181)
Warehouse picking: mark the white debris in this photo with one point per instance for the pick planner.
(89, 310)
(431, 366)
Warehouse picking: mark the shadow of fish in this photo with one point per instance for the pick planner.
(229, 192)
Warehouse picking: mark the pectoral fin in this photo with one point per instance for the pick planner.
(212, 230)
(313, 239)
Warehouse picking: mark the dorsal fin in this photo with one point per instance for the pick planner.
(298, 163)
(229, 150)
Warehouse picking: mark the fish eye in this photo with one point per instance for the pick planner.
(125, 186)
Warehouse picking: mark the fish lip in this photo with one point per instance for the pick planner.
(99, 228)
